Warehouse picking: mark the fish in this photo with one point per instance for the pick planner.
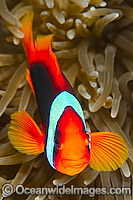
(64, 138)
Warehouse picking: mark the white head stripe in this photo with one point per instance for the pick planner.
(58, 106)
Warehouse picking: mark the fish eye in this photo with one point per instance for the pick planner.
(57, 144)
(89, 140)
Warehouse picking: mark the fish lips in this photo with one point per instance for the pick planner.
(76, 166)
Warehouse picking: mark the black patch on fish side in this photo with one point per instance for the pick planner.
(44, 89)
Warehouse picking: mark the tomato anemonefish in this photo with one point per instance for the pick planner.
(68, 145)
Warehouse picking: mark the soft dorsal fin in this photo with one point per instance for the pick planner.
(108, 151)
(44, 50)
(43, 42)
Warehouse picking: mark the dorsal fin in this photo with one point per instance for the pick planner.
(43, 42)
(43, 47)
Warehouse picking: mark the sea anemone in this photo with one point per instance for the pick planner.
(93, 42)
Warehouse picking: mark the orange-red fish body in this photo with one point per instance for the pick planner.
(55, 97)
(68, 145)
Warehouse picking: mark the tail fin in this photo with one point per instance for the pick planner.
(27, 41)
(38, 51)
(108, 151)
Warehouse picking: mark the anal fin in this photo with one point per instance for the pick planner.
(28, 78)
(108, 151)
(25, 135)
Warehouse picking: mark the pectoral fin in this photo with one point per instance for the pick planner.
(108, 151)
(25, 135)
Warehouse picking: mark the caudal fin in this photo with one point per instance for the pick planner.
(27, 41)
(42, 47)
(40, 51)
(25, 135)
(108, 151)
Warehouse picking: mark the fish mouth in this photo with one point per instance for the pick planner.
(72, 167)
(77, 163)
